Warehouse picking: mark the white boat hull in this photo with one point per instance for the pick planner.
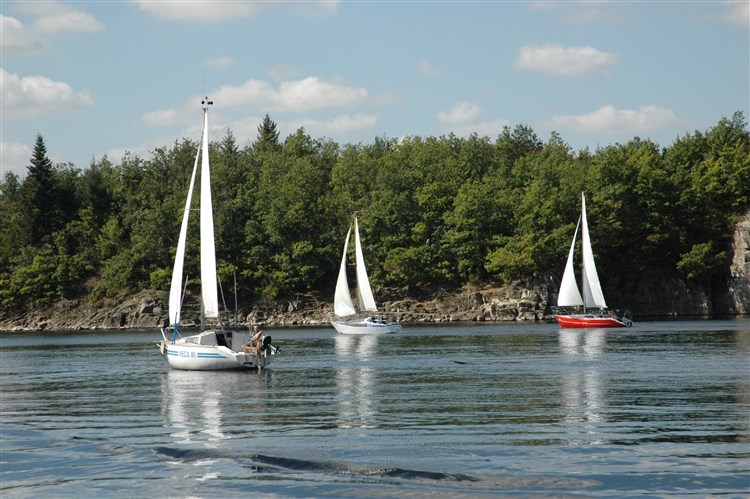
(190, 354)
(365, 326)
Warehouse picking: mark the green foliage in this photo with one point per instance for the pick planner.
(432, 211)
(702, 262)
(512, 259)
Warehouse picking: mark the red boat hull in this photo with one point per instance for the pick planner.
(588, 321)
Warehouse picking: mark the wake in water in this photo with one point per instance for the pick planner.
(281, 465)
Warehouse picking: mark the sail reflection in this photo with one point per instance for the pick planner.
(582, 393)
(354, 380)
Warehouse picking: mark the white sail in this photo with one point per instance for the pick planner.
(209, 288)
(592, 289)
(366, 300)
(342, 300)
(569, 295)
(175, 289)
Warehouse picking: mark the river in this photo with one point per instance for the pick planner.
(468, 410)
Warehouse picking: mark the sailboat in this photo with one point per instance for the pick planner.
(345, 318)
(594, 308)
(220, 347)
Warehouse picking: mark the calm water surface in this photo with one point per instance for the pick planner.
(660, 409)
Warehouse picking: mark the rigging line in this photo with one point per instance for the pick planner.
(221, 290)
(236, 305)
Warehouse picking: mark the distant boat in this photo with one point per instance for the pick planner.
(220, 347)
(590, 311)
(346, 318)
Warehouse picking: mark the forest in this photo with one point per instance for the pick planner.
(434, 212)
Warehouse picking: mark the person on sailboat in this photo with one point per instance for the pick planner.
(255, 342)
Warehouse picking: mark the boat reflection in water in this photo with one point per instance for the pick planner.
(583, 398)
(355, 378)
(192, 402)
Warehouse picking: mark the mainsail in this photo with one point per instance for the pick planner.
(366, 300)
(592, 289)
(209, 288)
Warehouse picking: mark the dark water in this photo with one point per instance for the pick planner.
(660, 409)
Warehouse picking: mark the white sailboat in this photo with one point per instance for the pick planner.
(346, 318)
(593, 297)
(218, 348)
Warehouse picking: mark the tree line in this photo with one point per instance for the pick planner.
(434, 212)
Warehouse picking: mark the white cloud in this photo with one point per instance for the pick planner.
(608, 120)
(461, 120)
(218, 62)
(14, 157)
(256, 96)
(17, 39)
(488, 128)
(563, 61)
(460, 114)
(167, 117)
(427, 69)
(213, 12)
(313, 93)
(51, 18)
(318, 9)
(208, 12)
(299, 95)
(340, 125)
(283, 72)
(69, 22)
(737, 13)
(23, 97)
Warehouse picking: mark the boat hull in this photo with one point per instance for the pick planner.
(590, 321)
(192, 353)
(365, 327)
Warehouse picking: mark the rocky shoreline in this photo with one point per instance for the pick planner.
(147, 309)
(650, 295)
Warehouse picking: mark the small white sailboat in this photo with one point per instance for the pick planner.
(218, 348)
(593, 297)
(345, 318)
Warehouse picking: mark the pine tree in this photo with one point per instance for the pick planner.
(38, 196)
(268, 135)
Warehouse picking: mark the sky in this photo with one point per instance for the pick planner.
(106, 77)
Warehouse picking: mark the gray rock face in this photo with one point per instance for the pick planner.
(736, 299)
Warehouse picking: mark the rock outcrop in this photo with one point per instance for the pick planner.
(735, 300)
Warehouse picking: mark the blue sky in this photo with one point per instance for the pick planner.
(105, 77)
